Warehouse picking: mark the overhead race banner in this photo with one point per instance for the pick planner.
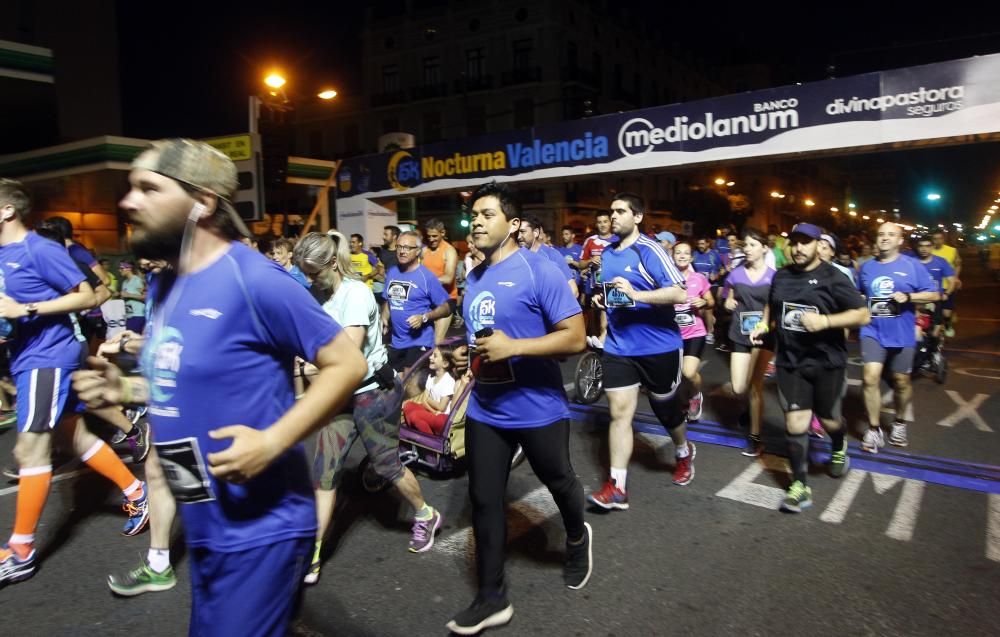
(949, 99)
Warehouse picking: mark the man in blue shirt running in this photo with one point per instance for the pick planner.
(519, 317)
(892, 283)
(218, 379)
(644, 345)
(529, 236)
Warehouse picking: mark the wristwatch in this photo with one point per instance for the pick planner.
(423, 318)
(31, 308)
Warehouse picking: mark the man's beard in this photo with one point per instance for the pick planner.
(157, 245)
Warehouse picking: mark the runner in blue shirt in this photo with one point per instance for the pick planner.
(40, 287)
(570, 250)
(644, 345)
(218, 379)
(944, 276)
(520, 316)
(413, 298)
(708, 262)
(892, 283)
(529, 236)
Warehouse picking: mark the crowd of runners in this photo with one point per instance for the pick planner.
(215, 331)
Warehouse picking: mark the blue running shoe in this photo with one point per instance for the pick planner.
(138, 513)
(14, 569)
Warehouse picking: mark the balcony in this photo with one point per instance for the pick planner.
(521, 76)
(428, 91)
(470, 84)
(389, 98)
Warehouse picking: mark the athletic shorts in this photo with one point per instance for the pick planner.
(43, 396)
(406, 357)
(660, 374)
(949, 303)
(740, 348)
(374, 418)
(899, 359)
(812, 388)
(247, 593)
(694, 346)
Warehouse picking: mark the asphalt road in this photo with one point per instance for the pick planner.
(908, 543)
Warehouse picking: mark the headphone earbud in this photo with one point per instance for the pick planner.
(197, 211)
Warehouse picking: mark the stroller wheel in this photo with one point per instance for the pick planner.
(589, 378)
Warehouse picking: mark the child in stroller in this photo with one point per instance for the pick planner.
(929, 357)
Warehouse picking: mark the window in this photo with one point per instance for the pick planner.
(522, 53)
(390, 125)
(390, 78)
(475, 63)
(352, 138)
(475, 120)
(432, 126)
(432, 70)
(524, 113)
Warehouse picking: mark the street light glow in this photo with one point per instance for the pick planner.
(853, 213)
(865, 217)
(851, 205)
(809, 202)
(328, 94)
(880, 220)
(933, 196)
(993, 207)
(832, 209)
(777, 195)
(730, 183)
(274, 80)
(719, 181)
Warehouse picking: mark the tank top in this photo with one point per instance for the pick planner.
(433, 260)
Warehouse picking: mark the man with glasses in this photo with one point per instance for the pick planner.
(413, 299)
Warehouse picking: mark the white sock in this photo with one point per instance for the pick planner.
(683, 452)
(158, 559)
(618, 476)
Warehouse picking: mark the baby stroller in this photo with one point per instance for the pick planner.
(439, 453)
(929, 358)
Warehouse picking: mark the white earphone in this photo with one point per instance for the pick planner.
(197, 211)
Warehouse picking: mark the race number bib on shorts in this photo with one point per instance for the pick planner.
(883, 307)
(184, 470)
(749, 320)
(791, 315)
(684, 318)
(613, 297)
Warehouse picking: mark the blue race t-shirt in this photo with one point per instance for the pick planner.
(523, 296)
(299, 276)
(939, 269)
(639, 329)
(220, 353)
(892, 323)
(557, 258)
(33, 270)
(407, 293)
(707, 263)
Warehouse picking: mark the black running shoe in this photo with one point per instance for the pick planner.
(484, 613)
(579, 560)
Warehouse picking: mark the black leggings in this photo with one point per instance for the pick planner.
(489, 451)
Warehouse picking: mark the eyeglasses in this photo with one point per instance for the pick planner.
(401, 248)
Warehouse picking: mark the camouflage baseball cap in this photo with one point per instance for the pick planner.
(198, 165)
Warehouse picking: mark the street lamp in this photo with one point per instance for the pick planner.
(327, 94)
(719, 181)
(809, 202)
(274, 80)
(853, 213)
(933, 196)
(834, 209)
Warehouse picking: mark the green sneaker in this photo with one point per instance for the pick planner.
(798, 497)
(312, 575)
(142, 580)
(839, 462)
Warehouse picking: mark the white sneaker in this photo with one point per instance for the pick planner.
(710, 339)
(897, 435)
(873, 439)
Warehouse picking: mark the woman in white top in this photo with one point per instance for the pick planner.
(374, 414)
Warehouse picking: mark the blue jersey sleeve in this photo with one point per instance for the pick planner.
(946, 268)
(294, 322)
(435, 290)
(660, 266)
(553, 294)
(56, 267)
(558, 260)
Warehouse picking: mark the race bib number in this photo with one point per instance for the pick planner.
(791, 315)
(184, 470)
(684, 318)
(398, 292)
(883, 307)
(613, 297)
(749, 320)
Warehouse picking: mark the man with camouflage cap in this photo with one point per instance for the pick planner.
(217, 376)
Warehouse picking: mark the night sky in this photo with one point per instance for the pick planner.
(192, 76)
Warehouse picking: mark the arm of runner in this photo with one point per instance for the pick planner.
(439, 312)
(670, 295)
(706, 300)
(79, 299)
(104, 385)
(341, 367)
(957, 283)
(450, 265)
(761, 328)
(568, 336)
(856, 317)
(731, 300)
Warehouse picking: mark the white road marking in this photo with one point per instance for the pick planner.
(836, 511)
(904, 518)
(534, 508)
(57, 478)
(744, 489)
(993, 529)
(966, 410)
